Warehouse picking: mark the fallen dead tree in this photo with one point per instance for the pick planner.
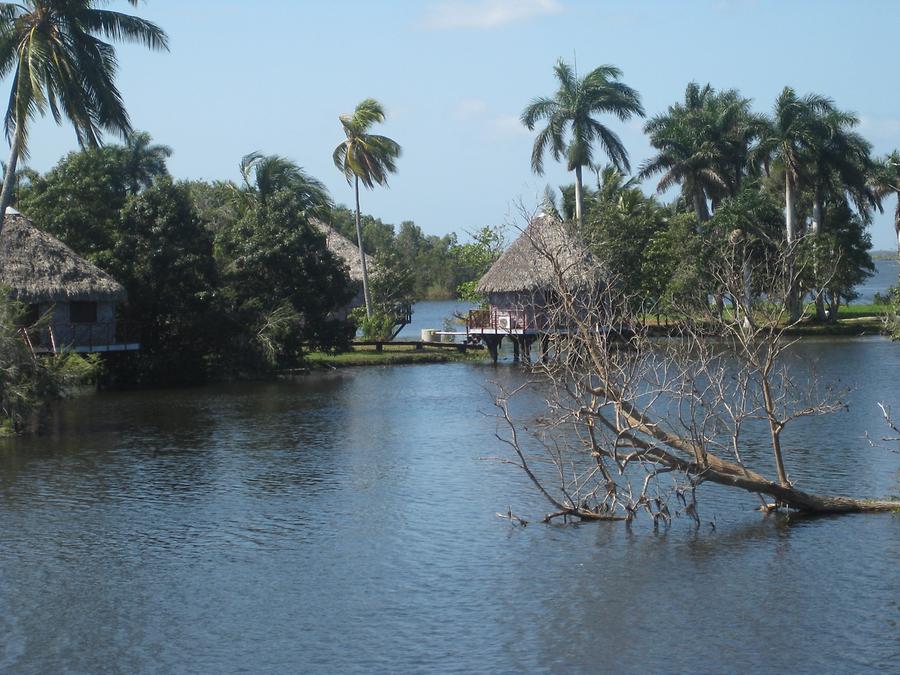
(633, 424)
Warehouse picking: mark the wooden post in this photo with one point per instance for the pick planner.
(379, 346)
(515, 342)
(527, 340)
(493, 345)
(545, 347)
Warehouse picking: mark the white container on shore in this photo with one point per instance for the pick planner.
(428, 334)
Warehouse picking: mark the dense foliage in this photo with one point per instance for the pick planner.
(28, 382)
(231, 279)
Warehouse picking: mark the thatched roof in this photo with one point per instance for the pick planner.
(528, 264)
(344, 249)
(39, 268)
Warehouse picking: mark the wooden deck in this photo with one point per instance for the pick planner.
(417, 344)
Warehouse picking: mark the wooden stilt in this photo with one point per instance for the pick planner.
(515, 342)
(527, 340)
(545, 347)
(493, 345)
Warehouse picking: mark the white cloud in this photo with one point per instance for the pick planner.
(452, 14)
(468, 108)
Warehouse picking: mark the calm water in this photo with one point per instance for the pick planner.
(345, 523)
(885, 276)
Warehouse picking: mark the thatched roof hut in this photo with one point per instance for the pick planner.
(39, 268)
(344, 249)
(528, 265)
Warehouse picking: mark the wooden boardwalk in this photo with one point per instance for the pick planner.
(418, 345)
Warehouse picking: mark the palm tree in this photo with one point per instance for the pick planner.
(58, 61)
(703, 145)
(264, 175)
(885, 182)
(795, 133)
(840, 164)
(145, 160)
(366, 158)
(573, 107)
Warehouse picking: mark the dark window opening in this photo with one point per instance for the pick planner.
(83, 312)
(31, 315)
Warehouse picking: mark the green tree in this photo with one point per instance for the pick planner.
(265, 175)
(163, 255)
(28, 382)
(367, 158)
(793, 138)
(475, 258)
(702, 145)
(886, 182)
(573, 107)
(59, 63)
(281, 285)
(79, 200)
(145, 160)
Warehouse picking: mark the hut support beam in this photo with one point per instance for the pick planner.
(493, 345)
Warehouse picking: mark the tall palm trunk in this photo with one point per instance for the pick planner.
(579, 197)
(790, 209)
(10, 178)
(700, 207)
(897, 224)
(818, 217)
(362, 253)
(790, 221)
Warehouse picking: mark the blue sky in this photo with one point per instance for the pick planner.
(273, 75)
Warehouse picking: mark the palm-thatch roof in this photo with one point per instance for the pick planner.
(39, 268)
(531, 262)
(344, 249)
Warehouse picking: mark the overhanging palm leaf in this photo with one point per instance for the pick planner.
(264, 175)
(58, 61)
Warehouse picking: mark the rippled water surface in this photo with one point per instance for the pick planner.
(346, 523)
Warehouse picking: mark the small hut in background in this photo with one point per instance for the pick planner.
(348, 252)
(345, 250)
(521, 286)
(47, 276)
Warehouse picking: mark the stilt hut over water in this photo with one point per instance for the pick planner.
(50, 279)
(522, 285)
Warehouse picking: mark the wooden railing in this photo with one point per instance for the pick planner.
(82, 337)
(500, 319)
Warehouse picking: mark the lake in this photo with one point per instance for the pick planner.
(346, 523)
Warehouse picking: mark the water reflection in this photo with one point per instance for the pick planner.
(346, 523)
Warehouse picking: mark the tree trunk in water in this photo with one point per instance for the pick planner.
(362, 253)
(10, 178)
(579, 198)
(793, 293)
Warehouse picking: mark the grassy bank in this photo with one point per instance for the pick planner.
(852, 320)
(391, 355)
